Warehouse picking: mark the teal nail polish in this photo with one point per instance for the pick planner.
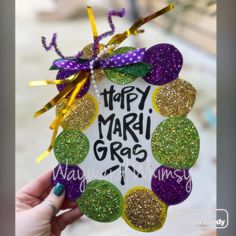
(58, 189)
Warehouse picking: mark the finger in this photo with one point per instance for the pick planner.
(52, 203)
(46, 193)
(68, 205)
(38, 186)
(68, 218)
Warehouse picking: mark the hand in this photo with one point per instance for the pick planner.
(36, 204)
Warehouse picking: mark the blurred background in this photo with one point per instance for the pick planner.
(191, 27)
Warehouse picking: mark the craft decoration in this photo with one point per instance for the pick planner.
(117, 134)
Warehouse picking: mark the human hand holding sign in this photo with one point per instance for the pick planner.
(37, 205)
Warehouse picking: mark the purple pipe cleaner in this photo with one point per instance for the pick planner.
(110, 13)
(52, 44)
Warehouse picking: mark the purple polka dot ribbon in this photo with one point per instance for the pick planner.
(119, 60)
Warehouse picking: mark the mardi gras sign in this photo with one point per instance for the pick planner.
(118, 155)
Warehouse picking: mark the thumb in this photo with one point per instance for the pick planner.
(52, 204)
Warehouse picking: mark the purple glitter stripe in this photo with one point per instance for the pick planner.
(119, 60)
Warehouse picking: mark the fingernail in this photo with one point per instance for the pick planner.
(58, 189)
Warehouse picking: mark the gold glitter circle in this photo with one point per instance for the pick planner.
(81, 114)
(88, 53)
(175, 98)
(143, 210)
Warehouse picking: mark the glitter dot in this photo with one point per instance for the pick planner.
(175, 143)
(167, 62)
(143, 210)
(172, 186)
(81, 114)
(118, 77)
(71, 147)
(88, 50)
(175, 98)
(72, 177)
(101, 201)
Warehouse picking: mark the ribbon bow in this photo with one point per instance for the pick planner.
(119, 60)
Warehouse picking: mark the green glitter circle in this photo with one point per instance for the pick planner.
(71, 147)
(117, 77)
(175, 143)
(101, 201)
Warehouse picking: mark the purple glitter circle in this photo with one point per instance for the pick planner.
(167, 62)
(172, 186)
(63, 74)
(72, 177)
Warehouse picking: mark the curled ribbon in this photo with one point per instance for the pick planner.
(77, 80)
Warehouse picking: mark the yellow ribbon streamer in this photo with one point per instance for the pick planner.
(54, 82)
(58, 119)
(60, 95)
(92, 22)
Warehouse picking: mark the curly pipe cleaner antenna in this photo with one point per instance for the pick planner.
(52, 44)
(110, 14)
